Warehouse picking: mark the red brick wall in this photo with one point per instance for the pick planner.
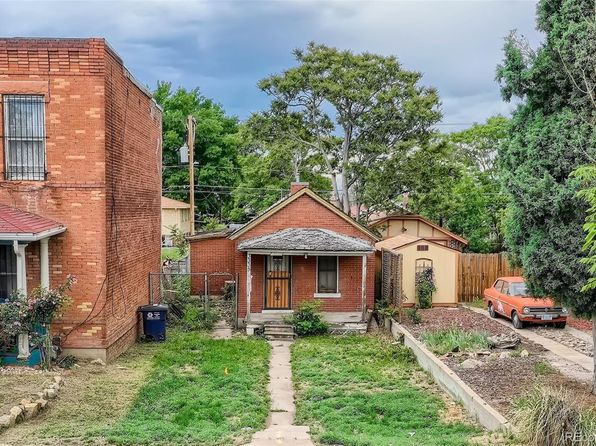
(133, 196)
(72, 76)
(212, 256)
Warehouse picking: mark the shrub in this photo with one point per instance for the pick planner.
(197, 318)
(425, 287)
(553, 416)
(413, 315)
(307, 320)
(455, 340)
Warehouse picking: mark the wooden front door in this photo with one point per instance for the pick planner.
(277, 283)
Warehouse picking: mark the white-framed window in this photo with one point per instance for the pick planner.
(24, 137)
(8, 271)
(327, 276)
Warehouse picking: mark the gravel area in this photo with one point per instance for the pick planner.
(499, 376)
(565, 338)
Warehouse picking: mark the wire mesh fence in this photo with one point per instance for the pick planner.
(214, 294)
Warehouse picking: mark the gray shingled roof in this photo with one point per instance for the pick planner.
(306, 240)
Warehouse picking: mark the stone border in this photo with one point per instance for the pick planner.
(29, 409)
(479, 409)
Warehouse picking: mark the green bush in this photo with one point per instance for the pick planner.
(307, 320)
(413, 315)
(197, 318)
(552, 416)
(455, 340)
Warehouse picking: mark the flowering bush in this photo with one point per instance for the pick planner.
(425, 287)
(21, 314)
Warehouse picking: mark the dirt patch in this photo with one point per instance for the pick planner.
(93, 398)
(503, 375)
(18, 383)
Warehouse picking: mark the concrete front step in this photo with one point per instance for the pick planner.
(279, 329)
(279, 336)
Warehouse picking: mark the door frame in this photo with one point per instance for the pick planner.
(265, 287)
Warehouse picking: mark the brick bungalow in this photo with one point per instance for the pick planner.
(80, 185)
(301, 248)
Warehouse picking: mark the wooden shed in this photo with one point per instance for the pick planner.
(417, 254)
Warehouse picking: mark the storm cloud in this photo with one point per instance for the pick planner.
(226, 47)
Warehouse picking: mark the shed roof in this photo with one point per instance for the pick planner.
(170, 203)
(307, 240)
(399, 241)
(16, 224)
(410, 216)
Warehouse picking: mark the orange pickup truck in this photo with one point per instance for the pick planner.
(508, 297)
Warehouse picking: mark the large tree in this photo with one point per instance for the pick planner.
(354, 110)
(552, 133)
(217, 169)
(470, 201)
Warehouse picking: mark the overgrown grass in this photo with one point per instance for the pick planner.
(170, 253)
(357, 391)
(455, 339)
(478, 302)
(549, 416)
(200, 392)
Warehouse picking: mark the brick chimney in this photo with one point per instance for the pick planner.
(296, 186)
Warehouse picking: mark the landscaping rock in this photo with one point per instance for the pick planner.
(31, 410)
(50, 393)
(42, 403)
(504, 355)
(98, 361)
(59, 380)
(471, 363)
(6, 421)
(504, 340)
(524, 353)
(16, 414)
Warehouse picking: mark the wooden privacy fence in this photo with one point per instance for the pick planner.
(479, 271)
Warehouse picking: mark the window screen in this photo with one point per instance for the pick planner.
(24, 137)
(327, 274)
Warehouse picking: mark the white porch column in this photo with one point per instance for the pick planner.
(44, 263)
(19, 250)
(364, 259)
(248, 284)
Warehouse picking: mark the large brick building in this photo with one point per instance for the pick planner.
(80, 185)
(302, 248)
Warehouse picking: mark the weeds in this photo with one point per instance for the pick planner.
(455, 340)
(554, 417)
(307, 320)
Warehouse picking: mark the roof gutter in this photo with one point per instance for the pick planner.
(30, 236)
(306, 253)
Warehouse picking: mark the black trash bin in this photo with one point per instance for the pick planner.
(154, 321)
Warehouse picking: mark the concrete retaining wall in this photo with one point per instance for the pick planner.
(479, 409)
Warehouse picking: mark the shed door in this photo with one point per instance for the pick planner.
(277, 283)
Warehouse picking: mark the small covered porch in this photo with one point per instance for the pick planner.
(284, 268)
(18, 230)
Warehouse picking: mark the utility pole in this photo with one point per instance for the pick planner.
(190, 141)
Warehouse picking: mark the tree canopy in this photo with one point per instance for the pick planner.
(552, 133)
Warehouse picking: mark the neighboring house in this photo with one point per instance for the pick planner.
(418, 226)
(173, 213)
(80, 185)
(301, 248)
(420, 253)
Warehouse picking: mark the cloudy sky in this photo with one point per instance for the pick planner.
(225, 47)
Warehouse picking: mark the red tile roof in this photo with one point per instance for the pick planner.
(15, 221)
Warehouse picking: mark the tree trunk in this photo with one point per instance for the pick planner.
(594, 352)
(345, 193)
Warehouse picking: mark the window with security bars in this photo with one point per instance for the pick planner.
(24, 137)
(8, 271)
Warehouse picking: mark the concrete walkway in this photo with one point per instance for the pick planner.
(553, 346)
(280, 425)
(222, 330)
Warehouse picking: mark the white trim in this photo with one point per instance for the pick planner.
(363, 289)
(327, 295)
(337, 292)
(248, 284)
(44, 263)
(30, 236)
(277, 311)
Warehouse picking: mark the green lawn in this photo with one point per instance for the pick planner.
(170, 253)
(200, 392)
(359, 391)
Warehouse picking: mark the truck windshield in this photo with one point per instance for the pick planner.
(518, 289)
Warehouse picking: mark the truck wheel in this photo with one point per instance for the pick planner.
(491, 311)
(516, 321)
